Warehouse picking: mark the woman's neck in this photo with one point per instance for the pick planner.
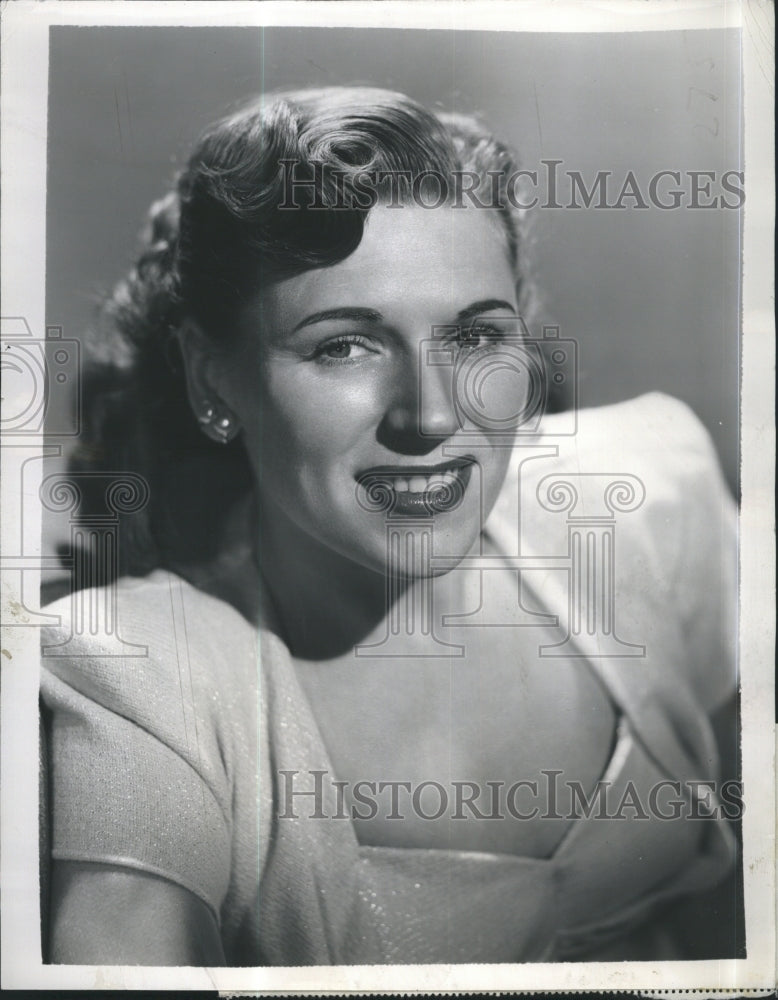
(325, 603)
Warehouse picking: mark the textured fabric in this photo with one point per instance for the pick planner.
(168, 762)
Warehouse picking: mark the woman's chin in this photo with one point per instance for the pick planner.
(418, 550)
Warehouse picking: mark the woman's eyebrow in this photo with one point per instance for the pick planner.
(373, 316)
(343, 312)
(482, 306)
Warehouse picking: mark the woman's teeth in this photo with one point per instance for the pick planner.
(424, 484)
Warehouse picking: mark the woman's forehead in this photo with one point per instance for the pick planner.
(435, 260)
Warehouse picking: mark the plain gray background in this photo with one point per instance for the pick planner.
(651, 296)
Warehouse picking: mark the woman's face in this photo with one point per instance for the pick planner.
(352, 374)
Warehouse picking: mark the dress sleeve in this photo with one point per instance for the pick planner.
(706, 575)
(140, 770)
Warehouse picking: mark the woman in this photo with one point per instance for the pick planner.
(336, 749)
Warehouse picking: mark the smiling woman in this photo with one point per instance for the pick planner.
(381, 704)
(345, 389)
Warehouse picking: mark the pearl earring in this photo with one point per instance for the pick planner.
(218, 426)
(208, 414)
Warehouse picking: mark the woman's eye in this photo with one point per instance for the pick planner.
(479, 335)
(342, 349)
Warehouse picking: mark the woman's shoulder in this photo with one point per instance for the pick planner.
(140, 645)
(131, 609)
(655, 434)
(646, 470)
(669, 492)
(649, 457)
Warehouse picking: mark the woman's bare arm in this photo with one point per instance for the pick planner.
(104, 915)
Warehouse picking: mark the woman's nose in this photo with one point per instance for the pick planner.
(421, 412)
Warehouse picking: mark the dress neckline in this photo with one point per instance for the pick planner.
(624, 743)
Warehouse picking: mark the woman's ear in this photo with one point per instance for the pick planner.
(200, 358)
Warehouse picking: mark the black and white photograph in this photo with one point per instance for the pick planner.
(388, 567)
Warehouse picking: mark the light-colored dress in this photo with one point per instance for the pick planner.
(169, 762)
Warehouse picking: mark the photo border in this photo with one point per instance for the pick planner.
(25, 27)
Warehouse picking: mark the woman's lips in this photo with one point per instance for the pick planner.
(415, 490)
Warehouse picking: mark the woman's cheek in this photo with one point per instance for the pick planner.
(325, 416)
